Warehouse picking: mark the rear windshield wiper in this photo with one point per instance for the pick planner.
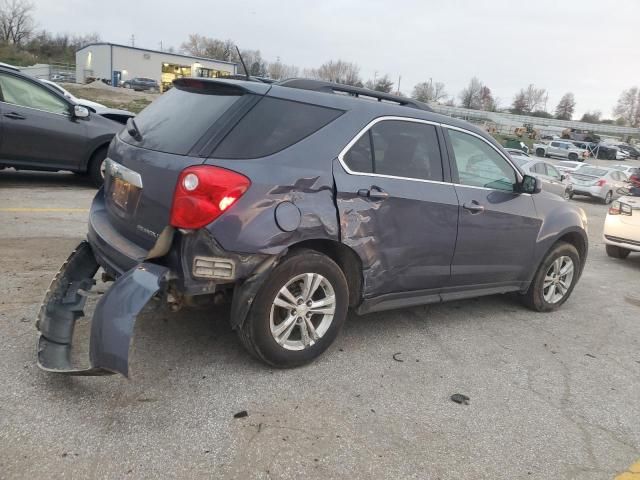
(132, 129)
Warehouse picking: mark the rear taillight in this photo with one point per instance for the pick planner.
(601, 182)
(619, 208)
(203, 193)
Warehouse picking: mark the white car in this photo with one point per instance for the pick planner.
(627, 169)
(621, 154)
(80, 101)
(115, 114)
(560, 148)
(622, 227)
(569, 166)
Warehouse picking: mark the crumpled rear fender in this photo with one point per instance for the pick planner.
(113, 320)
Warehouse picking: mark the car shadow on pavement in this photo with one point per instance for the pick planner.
(13, 178)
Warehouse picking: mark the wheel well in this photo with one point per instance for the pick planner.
(347, 260)
(577, 241)
(104, 146)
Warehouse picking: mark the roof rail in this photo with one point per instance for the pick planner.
(329, 87)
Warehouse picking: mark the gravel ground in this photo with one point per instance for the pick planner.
(552, 396)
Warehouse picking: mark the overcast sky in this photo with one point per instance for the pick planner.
(588, 47)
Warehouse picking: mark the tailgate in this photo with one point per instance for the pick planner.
(138, 188)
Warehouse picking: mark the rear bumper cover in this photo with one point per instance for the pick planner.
(113, 320)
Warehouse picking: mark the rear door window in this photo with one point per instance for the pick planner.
(178, 119)
(273, 125)
(539, 168)
(400, 149)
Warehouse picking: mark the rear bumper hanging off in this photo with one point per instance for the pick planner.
(113, 320)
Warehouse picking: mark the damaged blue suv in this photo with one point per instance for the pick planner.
(296, 201)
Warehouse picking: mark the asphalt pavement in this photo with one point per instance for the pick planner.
(552, 396)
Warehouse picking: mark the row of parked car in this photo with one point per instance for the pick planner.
(571, 177)
(577, 150)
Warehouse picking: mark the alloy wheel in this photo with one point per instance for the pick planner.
(558, 279)
(302, 311)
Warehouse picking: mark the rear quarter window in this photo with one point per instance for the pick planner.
(273, 125)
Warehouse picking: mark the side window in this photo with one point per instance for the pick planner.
(400, 149)
(479, 165)
(359, 157)
(24, 93)
(539, 168)
(552, 172)
(273, 125)
(555, 144)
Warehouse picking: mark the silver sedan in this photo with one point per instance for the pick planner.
(552, 180)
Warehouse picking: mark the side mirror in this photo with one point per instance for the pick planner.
(80, 112)
(530, 184)
(563, 177)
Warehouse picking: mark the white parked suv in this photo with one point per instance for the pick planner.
(559, 148)
(622, 227)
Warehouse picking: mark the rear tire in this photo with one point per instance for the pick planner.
(573, 157)
(271, 310)
(541, 295)
(608, 198)
(96, 171)
(617, 252)
(539, 152)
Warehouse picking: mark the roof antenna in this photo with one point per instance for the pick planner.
(243, 65)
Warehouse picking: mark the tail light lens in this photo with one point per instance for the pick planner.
(614, 209)
(203, 193)
(601, 182)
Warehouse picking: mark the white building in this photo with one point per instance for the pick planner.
(120, 62)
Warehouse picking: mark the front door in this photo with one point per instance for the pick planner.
(395, 210)
(38, 128)
(498, 227)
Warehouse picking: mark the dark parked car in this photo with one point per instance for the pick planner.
(141, 84)
(631, 150)
(297, 201)
(43, 130)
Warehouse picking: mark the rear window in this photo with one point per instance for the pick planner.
(273, 125)
(178, 119)
(596, 172)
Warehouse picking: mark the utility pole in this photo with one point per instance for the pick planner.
(133, 40)
(399, 80)
(161, 46)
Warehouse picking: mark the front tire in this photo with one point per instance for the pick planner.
(540, 152)
(573, 157)
(298, 312)
(96, 167)
(555, 279)
(617, 252)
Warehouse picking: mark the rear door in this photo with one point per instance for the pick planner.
(498, 227)
(396, 210)
(554, 179)
(39, 130)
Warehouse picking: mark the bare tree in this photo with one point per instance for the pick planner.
(628, 107)
(429, 92)
(529, 99)
(337, 71)
(16, 21)
(487, 102)
(381, 84)
(471, 96)
(591, 117)
(279, 71)
(566, 107)
(201, 46)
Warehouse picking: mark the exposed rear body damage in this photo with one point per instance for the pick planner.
(113, 319)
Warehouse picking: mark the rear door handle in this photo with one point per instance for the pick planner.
(373, 192)
(14, 116)
(474, 207)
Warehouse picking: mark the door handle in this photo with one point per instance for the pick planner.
(473, 207)
(14, 116)
(373, 192)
